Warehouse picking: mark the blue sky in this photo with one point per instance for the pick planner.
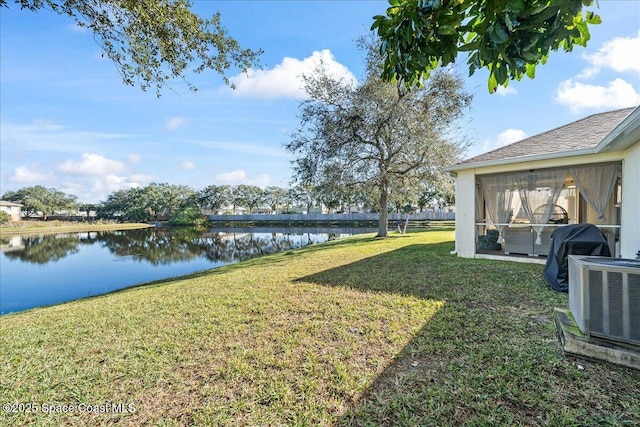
(67, 120)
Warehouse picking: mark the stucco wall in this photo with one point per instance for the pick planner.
(13, 211)
(630, 209)
(465, 213)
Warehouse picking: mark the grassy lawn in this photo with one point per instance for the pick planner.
(360, 331)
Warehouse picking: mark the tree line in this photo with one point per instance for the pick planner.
(181, 204)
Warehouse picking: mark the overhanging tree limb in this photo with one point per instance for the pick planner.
(509, 38)
(152, 42)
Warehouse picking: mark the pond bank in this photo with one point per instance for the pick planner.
(45, 227)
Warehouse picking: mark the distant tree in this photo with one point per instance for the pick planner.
(335, 192)
(439, 191)
(214, 197)
(87, 208)
(377, 134)
(366, 198)
(153, 42)
(275, 197)
(40, 200)
(509, 38)
(162, 199)
(306, 194)
(126, 204)
(249, 196)
(154, 202)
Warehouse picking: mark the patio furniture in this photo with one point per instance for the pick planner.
(522, 240)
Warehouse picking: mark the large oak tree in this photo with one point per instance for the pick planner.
(377, 134)
(38, 200)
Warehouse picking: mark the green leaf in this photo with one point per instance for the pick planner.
(531, 70)
(448, 30)
(500, 75)
(469, 46)
(546, 13)
(493, 83)
(529, 56)
(516, 6)
(593, 19)
(498, 34)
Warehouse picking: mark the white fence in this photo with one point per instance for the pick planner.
(420, 216)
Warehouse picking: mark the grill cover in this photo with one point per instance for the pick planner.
(578, 239)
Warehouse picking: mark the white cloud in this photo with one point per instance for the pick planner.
(285, 79)
(619, 54)
(579, 96)
(239, 176)
(175, 123)
(505, 91)
(141, 178)
(134, 158)
(187, 165)
(110, 183)
(510, 135)
(504, 138)
(92, 164)
(23, 175)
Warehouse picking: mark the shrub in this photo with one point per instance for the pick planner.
(188, 216)
(5, 218)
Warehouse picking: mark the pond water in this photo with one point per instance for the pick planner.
(50, 269)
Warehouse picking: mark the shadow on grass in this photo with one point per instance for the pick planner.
(489, 356)
(429, 271)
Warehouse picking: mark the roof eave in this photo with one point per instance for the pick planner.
(624, 135)
(522, 159)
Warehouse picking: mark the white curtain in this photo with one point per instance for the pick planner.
(499, 198)
(539, 189)
(596, 184)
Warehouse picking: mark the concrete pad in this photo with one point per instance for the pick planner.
(576, 343)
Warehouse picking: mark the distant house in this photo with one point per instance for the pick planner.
(587, 171)
(13, 209)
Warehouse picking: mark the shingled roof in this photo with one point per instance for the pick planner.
(582, 134)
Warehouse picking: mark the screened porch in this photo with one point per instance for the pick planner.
(517, 212)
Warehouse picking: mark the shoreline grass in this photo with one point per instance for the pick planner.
(55, 227)
(358, 331)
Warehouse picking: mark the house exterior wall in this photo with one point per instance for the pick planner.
(14, 211)
(630, 207)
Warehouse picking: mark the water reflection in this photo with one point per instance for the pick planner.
(41, 270)
(166, 245)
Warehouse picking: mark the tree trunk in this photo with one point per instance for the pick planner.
(382, 222)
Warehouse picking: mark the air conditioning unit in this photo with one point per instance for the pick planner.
(604, 297)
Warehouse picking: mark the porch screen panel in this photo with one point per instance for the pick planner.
(596, 184)
(536, 189)
(498, 191)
